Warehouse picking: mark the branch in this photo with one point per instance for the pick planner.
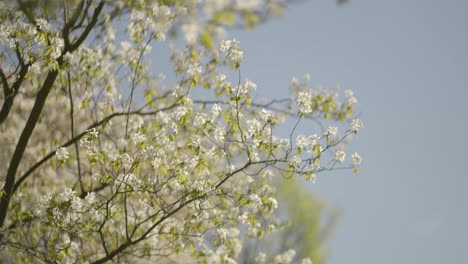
(42, 95)
(72, 128)
(24, 8)
(88, 28)
(13, 91)
(129, 243)
(23, 143)
(6, 88)
(69, 24)
(79, 136)
(134, 80)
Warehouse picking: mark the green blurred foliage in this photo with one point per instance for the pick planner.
(310, 224)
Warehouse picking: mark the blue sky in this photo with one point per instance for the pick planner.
(407, 62)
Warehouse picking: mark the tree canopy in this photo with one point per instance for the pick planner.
(104, 158)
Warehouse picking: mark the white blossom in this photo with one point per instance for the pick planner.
(232, 50)
(194, 69)
(304, 101)
(138, 137)
(356, 158)
(285, 258)
(248, 4)
(332, 131)
(255, 200)
(265, 115)
(295, 161)
(260, 258)
(215, 110)
(273, 202)
(340, 155)
(62, 154)
(127, 161)
(356, 125)
(247, 87)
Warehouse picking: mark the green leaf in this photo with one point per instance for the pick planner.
(227, 17)
(206, 40)
(198, 254)
(251, 19)
(260, 234)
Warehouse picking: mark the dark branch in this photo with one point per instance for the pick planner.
(11, 92)
(70, 23)
(34, 117)
(23, 143)
(89, 27)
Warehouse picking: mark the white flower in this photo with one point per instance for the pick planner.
(91, 198)
(248, 4)
(194, 69)
(350, 96)
(295, 82)
(57, 44)
(127, 161)
(311, 141)
(306, 261)
(285, 258)
(93, 132)
(215, 110)
(284, 142)
(138, 137)
(200, 120)
(304, 100)
(219, 134)
(62, 154)
(44, 203)
(332, 131)
(273, 202)
(228, 44)
(77, 203)
(356, 125)
(295, 161)
(67, 195)
(311, 177)
(180, 112)
(35, 68)
(221, 78)
(271, 228)
(191, 31)
(356, 159)
(352, 101)
(243, 218)
(225, 233)
(43, 24)
(265, 115)
(340, 155)
(247, 87)
(301, 141)
(233, 52)
(261, 258)
(255, 200)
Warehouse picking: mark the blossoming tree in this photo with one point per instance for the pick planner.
(103, 159)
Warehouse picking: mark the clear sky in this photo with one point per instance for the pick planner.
(407, 62)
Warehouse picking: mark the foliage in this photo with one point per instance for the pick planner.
(91, 175)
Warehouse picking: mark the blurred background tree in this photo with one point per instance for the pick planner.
(310, 223)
